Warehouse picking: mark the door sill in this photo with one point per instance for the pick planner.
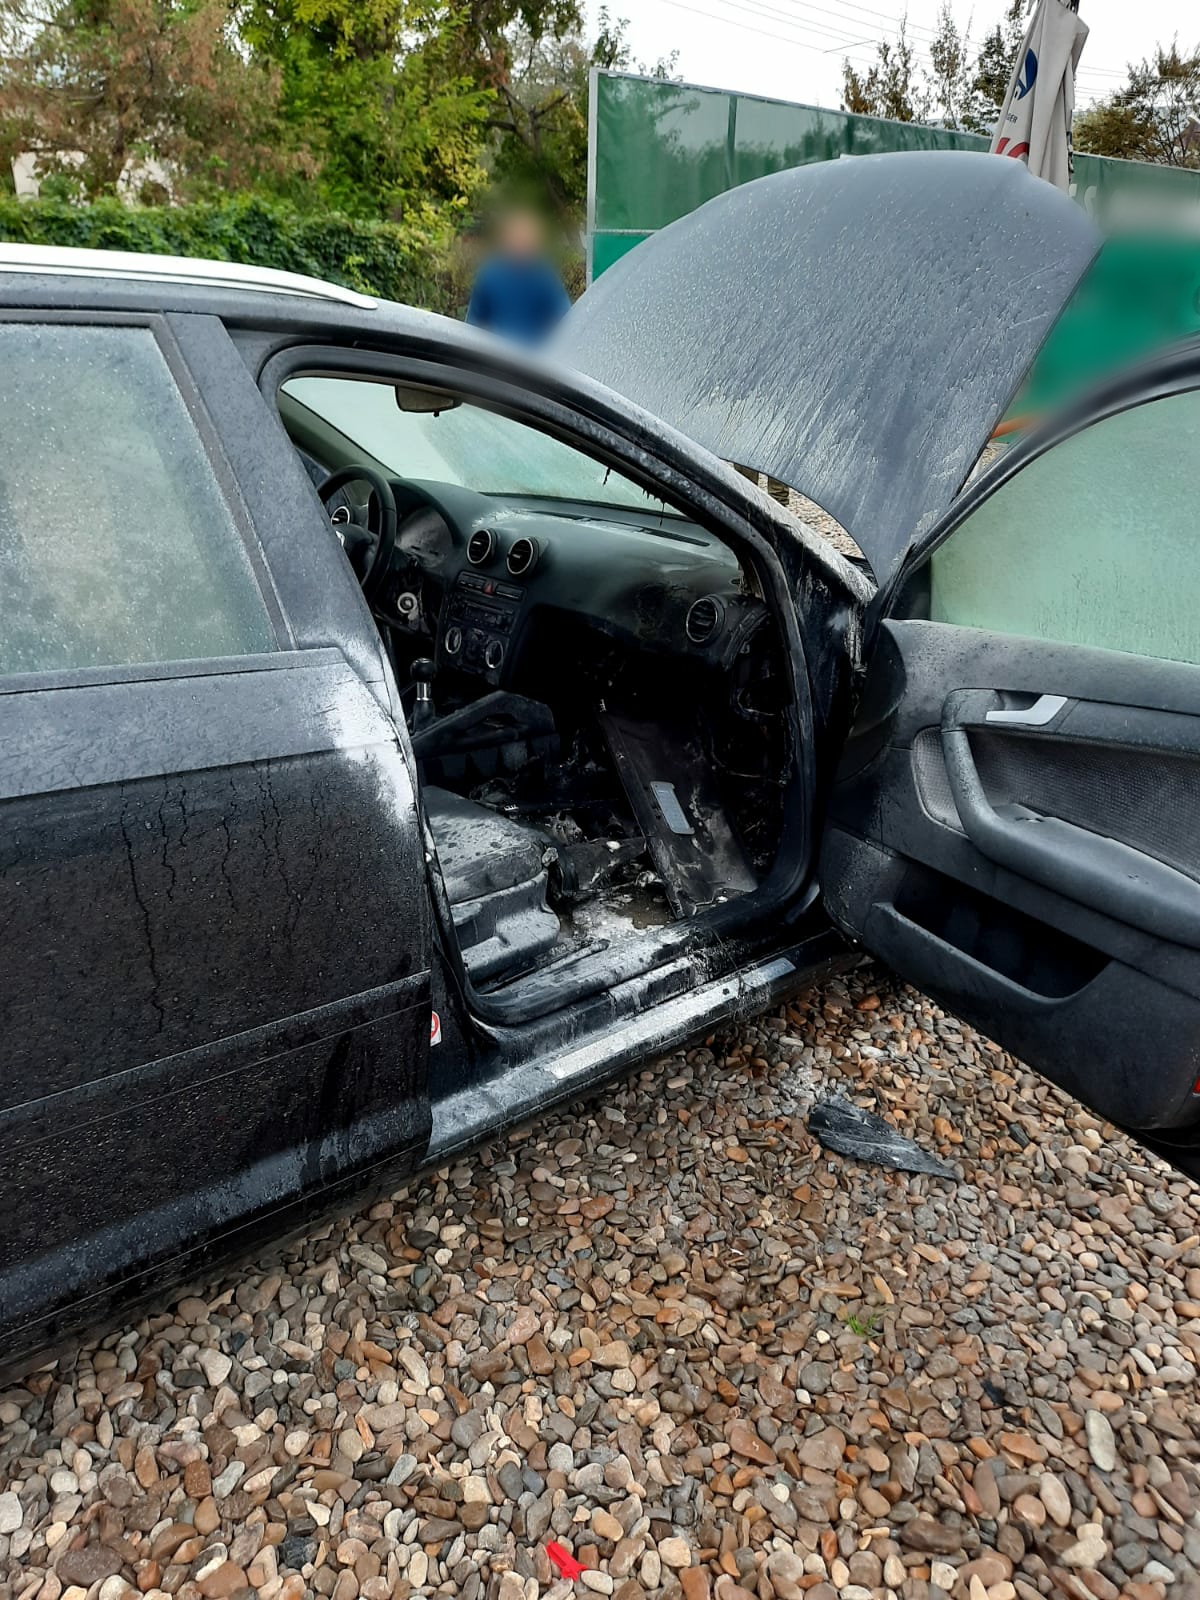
(559, 1070)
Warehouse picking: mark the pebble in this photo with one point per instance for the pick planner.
(924, 1534)
(511, 1586)
(984, 1484)
(1157, 1572)
(668, 1330)
(1100, 1441)
(1089, 1550)
(216, 1366)
(1030, 1510)
(91, 1564)
(743, 1441)
(786, 1571)
(1055, 1499)
(824, 1450)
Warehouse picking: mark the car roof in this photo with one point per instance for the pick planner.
(256, 301)
(128, 265)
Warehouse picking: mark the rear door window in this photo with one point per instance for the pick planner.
(117, 543)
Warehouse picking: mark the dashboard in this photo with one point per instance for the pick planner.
(652, 582)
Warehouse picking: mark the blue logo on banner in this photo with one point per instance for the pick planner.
(1029, 77)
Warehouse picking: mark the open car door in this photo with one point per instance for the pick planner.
(1016, 823)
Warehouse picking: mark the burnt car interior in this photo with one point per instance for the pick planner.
(595, 692)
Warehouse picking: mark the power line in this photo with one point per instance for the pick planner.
(1090, 79)
(851, 49)
(851, 46)
(766, 33)
(920, 49)
(916, 33)
(803, 25)
(879, 16)
(774, 14)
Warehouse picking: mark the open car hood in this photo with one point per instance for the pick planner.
(854, 328)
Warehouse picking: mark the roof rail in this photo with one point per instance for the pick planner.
(129, 265)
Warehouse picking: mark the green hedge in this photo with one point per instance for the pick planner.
(398, 261)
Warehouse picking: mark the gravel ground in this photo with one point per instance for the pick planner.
(668, 1332)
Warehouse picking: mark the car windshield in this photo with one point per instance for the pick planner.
(467, 446)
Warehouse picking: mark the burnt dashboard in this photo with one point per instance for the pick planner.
(478, 623)
(499, 562)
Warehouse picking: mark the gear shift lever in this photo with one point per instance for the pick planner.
(423, 672)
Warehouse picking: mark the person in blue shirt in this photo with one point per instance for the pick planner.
(517, 291)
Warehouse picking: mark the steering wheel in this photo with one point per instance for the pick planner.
(382, 518)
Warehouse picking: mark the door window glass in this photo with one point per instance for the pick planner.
(1095, 542)
(116, 544)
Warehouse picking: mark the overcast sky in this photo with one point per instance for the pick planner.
(793, 49)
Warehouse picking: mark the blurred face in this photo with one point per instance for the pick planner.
(520, 236)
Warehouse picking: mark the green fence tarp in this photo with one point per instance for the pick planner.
(660, 149)
(1141, 294)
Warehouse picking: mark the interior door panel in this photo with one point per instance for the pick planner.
(1014, 828)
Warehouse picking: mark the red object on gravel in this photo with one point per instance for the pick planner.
(563, 1559)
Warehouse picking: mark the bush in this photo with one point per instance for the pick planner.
(411, 262)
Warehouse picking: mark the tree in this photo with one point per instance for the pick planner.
(993, 70)
(950, 78)
(1154, 117)
(97, 89)
(891, 87)
(380, 93)
(540, 118)
(954, 90)
(1111, 128)
(539, 121)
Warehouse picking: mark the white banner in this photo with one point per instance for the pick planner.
(1035, 122)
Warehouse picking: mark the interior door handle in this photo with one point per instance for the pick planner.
(1087, 867)
(1043, 710)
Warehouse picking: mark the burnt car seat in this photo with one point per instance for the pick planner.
(496, 881)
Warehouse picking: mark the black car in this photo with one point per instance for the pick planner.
(399, 734)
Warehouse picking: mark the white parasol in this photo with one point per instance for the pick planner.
(1035, 120)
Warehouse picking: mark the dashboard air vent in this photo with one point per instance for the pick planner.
(704, 620)
(480, 546)
(522, 558)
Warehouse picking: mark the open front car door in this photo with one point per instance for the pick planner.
(1016, 822)
(1014, 826)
